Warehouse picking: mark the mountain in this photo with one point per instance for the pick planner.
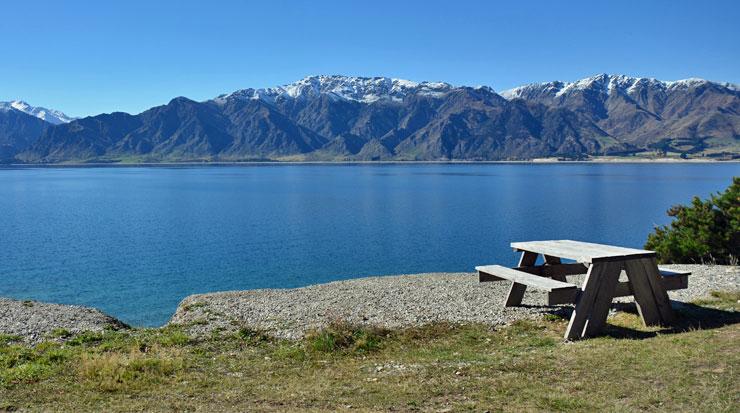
(359, 89)
(687, 116)
(18, 131)
(22, 124)
(361, 118)
(52, 116)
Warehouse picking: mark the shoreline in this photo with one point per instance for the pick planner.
(537, 161)
(392, 301)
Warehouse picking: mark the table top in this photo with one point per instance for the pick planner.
(581, 251)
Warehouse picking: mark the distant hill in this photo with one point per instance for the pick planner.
(21, 125)
(354, 118)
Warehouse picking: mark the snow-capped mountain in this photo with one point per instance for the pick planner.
(52, 116)
(607, 84)
(675, 116)
(360, 89)
(380, 118)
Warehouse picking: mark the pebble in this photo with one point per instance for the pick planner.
(387, 301)
(395, 302)
(35, 321)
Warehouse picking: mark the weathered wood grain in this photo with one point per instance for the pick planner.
(521, 277)
(549, 262)
(589, 296)
(516, 292)
(552, 271)
(485, 277)
(670, 280)
(563, 296)
(602, 265)
(581, 251)
(642, 291)
(650, 266)
(604, 296)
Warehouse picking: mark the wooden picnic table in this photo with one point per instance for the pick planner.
(602, 265)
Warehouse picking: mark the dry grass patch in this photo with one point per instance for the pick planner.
(114, 371)
(522, 367)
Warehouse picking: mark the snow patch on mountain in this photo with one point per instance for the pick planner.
(606, 84)
(52, 116)
(360, 89)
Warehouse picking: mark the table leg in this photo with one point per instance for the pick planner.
(650, 296)
(592, 306)
(516, 292)
(554, 261)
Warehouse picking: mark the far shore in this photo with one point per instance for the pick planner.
(605, 160)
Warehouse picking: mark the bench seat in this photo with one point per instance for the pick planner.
(558, 292)
(671, 280)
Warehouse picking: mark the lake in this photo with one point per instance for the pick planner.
(134, 241)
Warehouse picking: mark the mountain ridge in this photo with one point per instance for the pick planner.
(52, 116)
(379, 118)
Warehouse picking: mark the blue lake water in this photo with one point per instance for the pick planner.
(133, 241)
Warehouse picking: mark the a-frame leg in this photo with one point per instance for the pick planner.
(516, 292)
(592, 307)
(650, 295)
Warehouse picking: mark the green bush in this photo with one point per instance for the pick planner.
(707, 231)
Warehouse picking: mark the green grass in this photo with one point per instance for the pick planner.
(522, 367)
(722, 300)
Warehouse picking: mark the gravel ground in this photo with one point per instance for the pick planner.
(35, 321)
(394, 301)
(390, 301)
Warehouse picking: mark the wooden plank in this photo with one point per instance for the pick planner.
(666, 272)
(549, 262)
(485, 277)
(554, 271)
(623, 289)
(516, 291)
(563, 296)
(590, 252)
(549, 259)
(604, 296)
(559, 271)
(521, 277)
(581, 251)
(642, 291)
(675, 283)
(586, 300)
(660, 294)
(680, 282)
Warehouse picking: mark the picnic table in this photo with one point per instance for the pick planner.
(602, 264)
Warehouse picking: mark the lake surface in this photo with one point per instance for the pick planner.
(134, 241)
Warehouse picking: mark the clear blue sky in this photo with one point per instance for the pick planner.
(88, 57)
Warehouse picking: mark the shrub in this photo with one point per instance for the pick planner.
(707, 231)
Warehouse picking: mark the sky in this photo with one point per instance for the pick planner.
(90, 57)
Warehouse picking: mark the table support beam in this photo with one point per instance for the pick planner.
(550, 260)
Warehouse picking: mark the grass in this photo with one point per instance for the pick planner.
(522, 367)
(722, 300)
